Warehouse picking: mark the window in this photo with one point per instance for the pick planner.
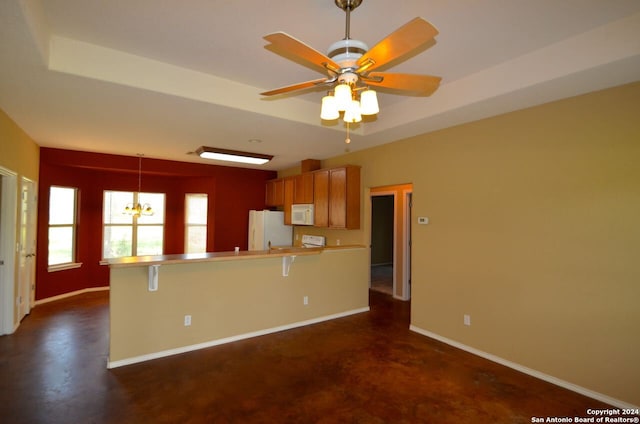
(195, 232)
(130, 235)
(62, 225)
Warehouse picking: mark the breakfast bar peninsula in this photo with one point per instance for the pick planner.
(170, 304)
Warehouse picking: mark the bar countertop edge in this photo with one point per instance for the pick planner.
(220, 256)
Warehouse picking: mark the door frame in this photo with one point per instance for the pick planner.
(27, 248)
(394, 194)
(406, 213)
(402, 195)
(8, 223)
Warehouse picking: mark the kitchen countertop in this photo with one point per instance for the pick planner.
(210, 257)
(275, 252)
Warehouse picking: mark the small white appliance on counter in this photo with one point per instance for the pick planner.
(302, 214)
(313, 241)
(266, 229)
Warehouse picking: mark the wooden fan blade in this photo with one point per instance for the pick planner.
(405, 39)
(422, 85)
(298, 48)
(295, 87)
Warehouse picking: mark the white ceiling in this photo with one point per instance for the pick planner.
(162, 77)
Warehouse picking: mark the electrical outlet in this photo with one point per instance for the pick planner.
(467, 319)
(187, 320)
(305, 300)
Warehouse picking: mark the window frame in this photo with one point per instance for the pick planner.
(134, 224)
(74, 232)
(188, 225)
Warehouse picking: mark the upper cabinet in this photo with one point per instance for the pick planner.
(337, 197)
(321, 198)
(303, 188)
(335, 194)
(289, 186)
(274, 193)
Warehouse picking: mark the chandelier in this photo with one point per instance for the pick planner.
(138, 209)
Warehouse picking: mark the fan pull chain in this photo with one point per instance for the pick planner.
(347, 140)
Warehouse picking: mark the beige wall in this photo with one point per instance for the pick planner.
(20, 155)
(534, 231)
(229, 298)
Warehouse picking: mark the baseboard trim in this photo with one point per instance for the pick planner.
(73, 293)
(190, 348)
(537, 374)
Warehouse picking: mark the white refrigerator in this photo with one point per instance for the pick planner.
(266, 228)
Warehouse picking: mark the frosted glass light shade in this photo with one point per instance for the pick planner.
(352, 114)
(343, 96)
(329, 110)
(369, 103)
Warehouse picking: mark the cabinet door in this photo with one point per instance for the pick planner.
(274, 192)
(289, 184)
(344, 198)
(321, 198)
(338, 198)
(303, 190)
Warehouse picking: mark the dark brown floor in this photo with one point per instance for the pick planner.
(367, 368)
(382, 278)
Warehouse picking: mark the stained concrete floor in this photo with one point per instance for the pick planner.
(366, 368)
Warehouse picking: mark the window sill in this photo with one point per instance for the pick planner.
(63, 267)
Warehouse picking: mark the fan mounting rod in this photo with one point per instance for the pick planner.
(347, 6)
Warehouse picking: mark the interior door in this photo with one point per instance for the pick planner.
(27, 246)
(8, 222)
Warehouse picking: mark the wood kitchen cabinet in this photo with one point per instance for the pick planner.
(337, 197)
(321, 198)
(289, 185)
(274, 192)
(303, 188)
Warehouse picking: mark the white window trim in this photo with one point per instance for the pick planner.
(74, 230)
(63, 267)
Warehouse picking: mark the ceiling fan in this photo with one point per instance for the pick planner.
(351, 65)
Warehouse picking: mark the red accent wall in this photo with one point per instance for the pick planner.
(232, 192)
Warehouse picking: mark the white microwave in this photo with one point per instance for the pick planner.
(302, 214)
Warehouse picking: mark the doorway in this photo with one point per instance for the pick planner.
(382, 232)
(390, 239)
(8, 197)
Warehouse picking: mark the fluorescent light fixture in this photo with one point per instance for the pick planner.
(232, 155)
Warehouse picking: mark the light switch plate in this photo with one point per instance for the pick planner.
(423, 220)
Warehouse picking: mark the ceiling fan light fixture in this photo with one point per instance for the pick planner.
(329, 110)
(343, 96)
(215, 153)
(347, 52)
(352, 114)
(350, 64)
(369, 102)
